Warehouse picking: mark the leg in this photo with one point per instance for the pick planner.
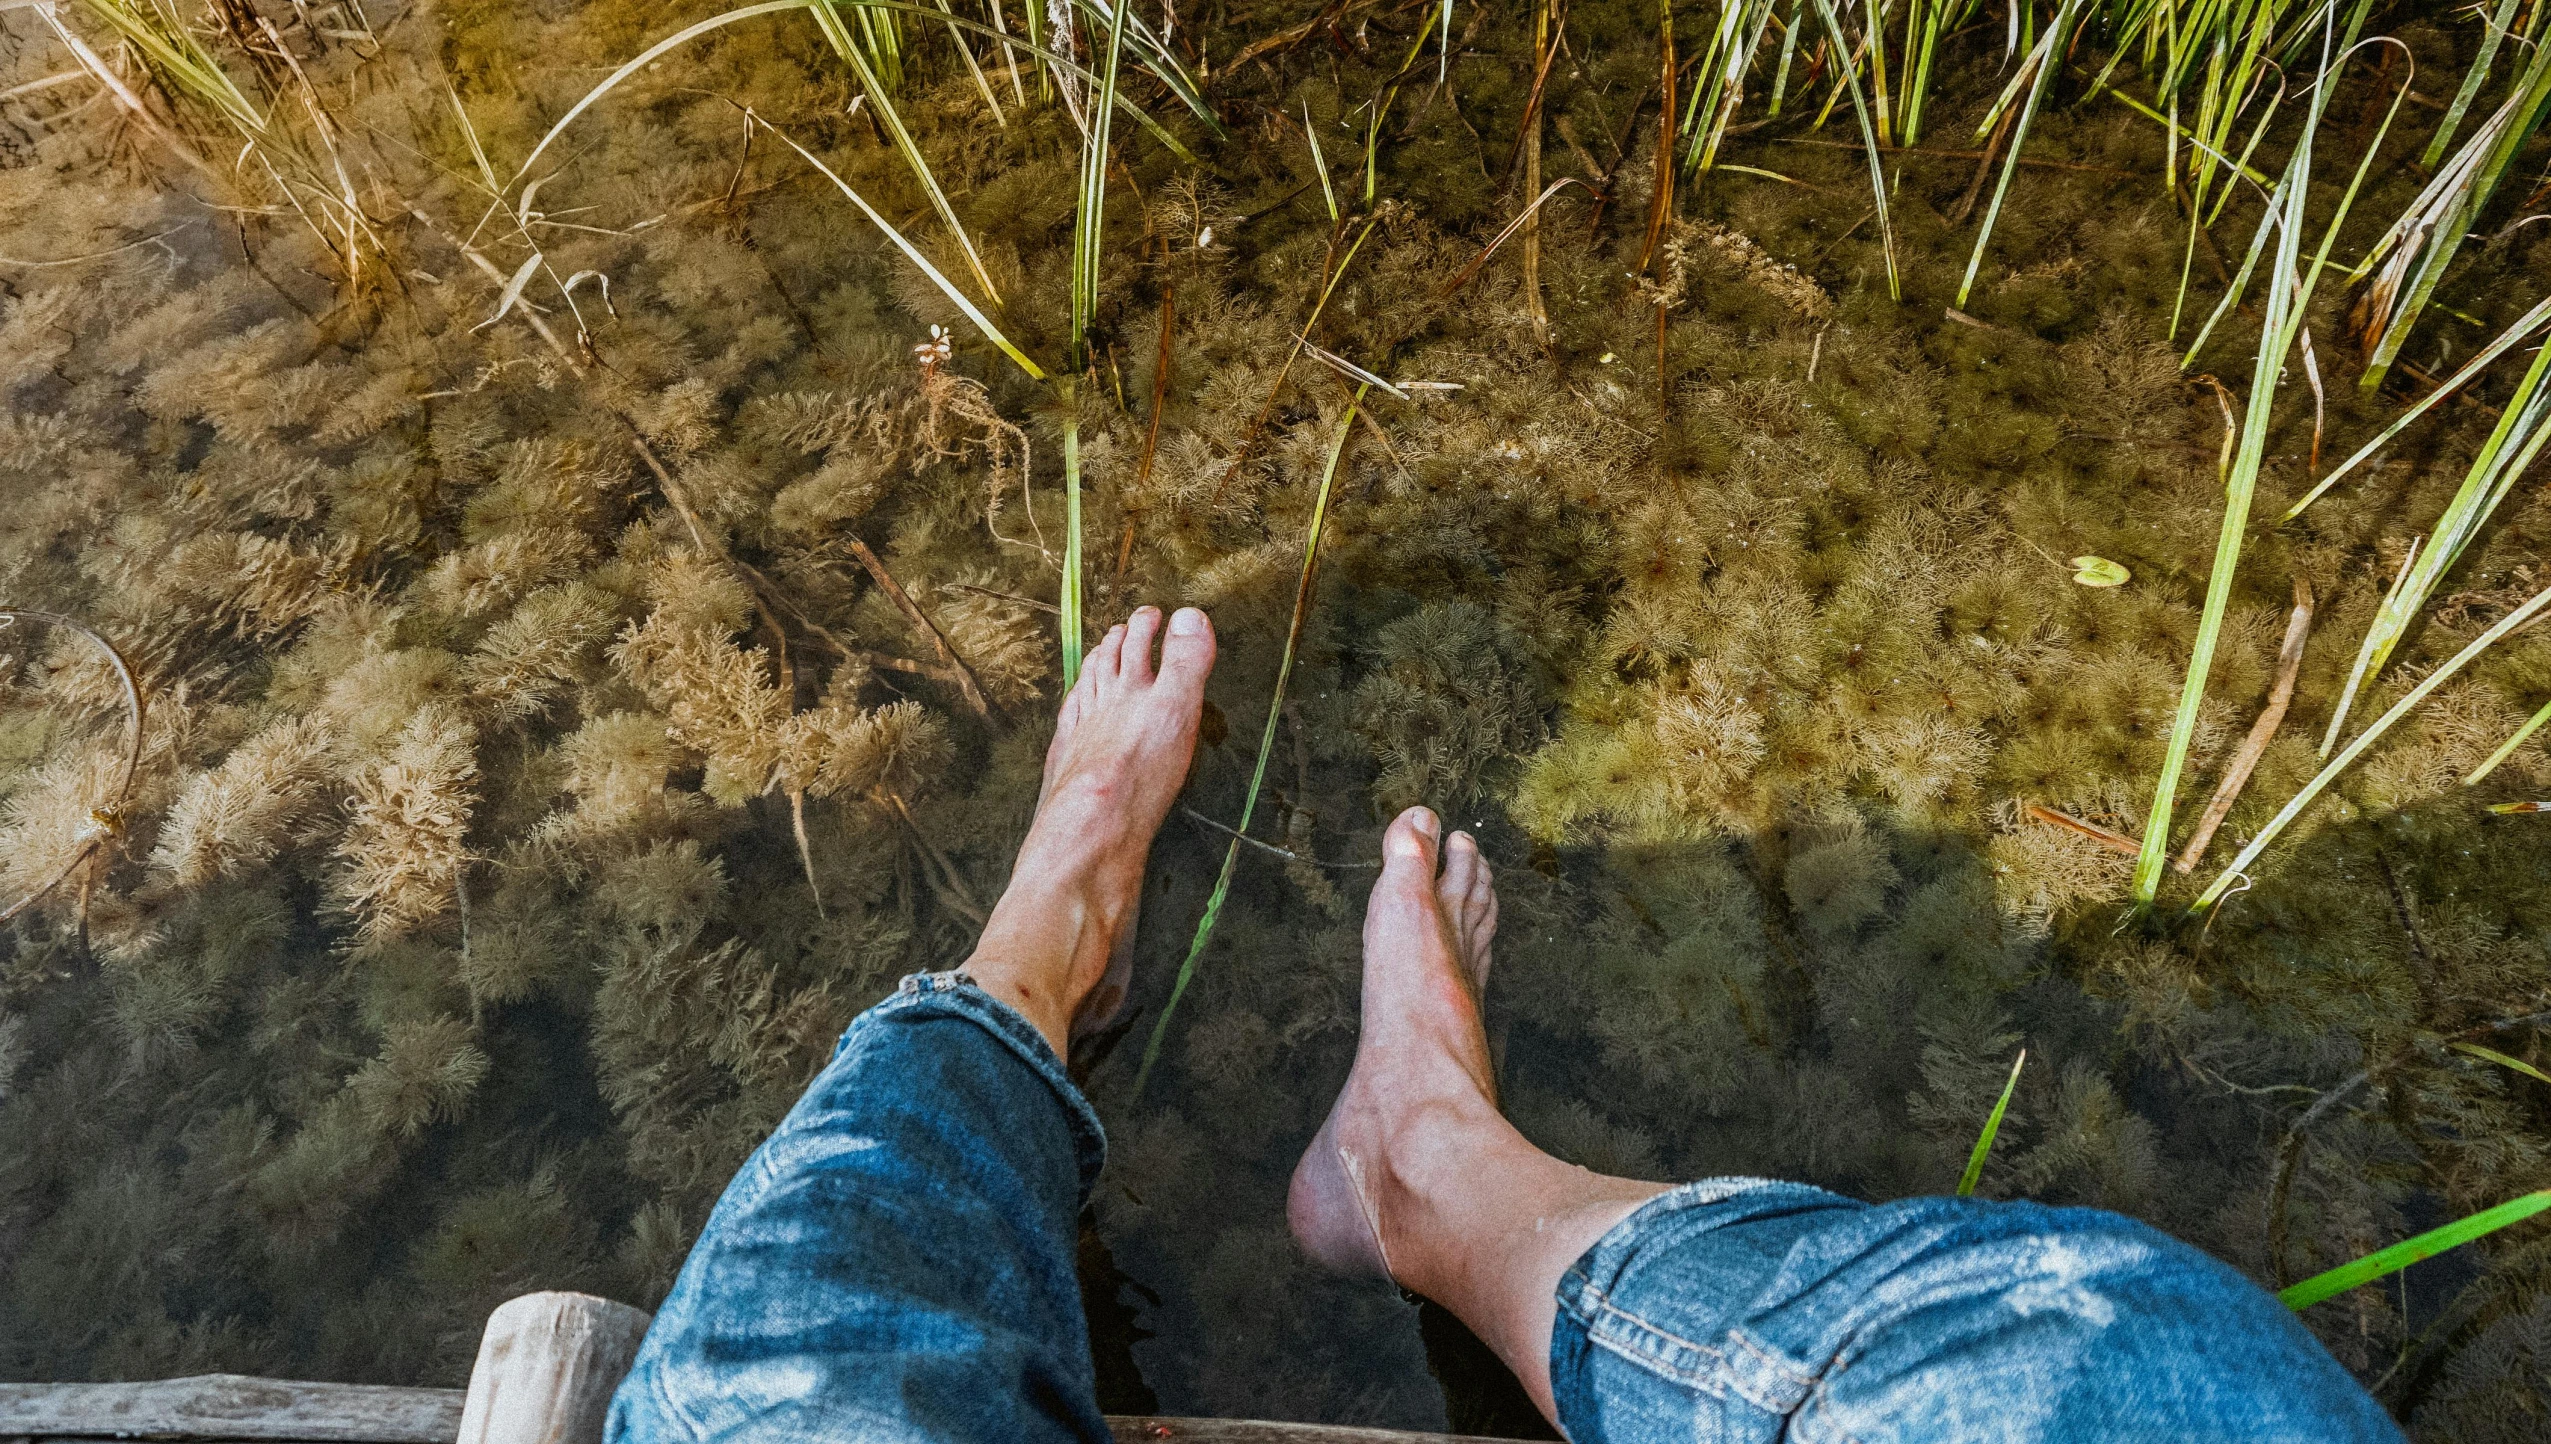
(895, 1262)
(1392, 1183)
(1749, 1309)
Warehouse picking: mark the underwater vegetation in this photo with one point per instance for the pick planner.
(592, 584)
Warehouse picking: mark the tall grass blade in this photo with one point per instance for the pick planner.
(1320, 162)
(2472, 80)
(2522, 429)
(2492, 1055)
(913, 253)
(1303, 592)
(2508, 748)
(2366, 739)
(1992, 1127)
(2437, 235)
(1869, 142)
(2289, 297)
(2525, 325)
(828, 19)
(1045, 58)
(982, 85)
(1152, 54)
(2401, 1255)
(1089, 221)
(174, 54)
(2042, 66)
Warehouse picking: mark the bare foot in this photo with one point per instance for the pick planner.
(1421, 1091)
(1058, 942)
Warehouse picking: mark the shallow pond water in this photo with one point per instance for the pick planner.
(513, 705)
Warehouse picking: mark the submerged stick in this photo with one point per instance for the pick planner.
(2113, 841)
(962, 674)
(2289, 665)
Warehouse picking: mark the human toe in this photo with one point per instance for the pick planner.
(1141, 629)
(1462, 864)
(1102, 663)
(1187, 652)
(1409, 853)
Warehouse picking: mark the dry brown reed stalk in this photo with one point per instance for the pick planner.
(1151, 434)
(1549, 18)
(1661, 201)
(2113, 841)
(105, 821)
(2289, 666)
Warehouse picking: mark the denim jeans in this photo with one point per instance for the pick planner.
(896, 1264)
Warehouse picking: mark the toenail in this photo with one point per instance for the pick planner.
(1186, 622)
(1426, 822)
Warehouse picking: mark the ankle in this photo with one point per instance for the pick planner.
(1045, 948)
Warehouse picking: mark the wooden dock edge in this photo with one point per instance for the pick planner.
(546, 1368)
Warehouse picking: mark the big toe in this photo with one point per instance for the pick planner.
(1404, 897)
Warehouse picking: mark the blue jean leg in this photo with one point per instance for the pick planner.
(1740, 1309)
(896, 1262)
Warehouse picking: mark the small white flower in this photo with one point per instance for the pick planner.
(935, 352)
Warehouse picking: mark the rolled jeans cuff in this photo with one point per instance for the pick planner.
(953, 994)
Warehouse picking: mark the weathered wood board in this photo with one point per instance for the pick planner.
(235, 1409)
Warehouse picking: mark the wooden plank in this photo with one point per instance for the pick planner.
(546, 1369)
(234, 1409)
(1130, 1429)
(233, 1406)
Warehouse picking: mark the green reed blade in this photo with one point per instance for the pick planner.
(1154, 56)
(2287, 307)
(913, 253)
(2043, 66)
(1869, 142)
(2508, 748)
(828, 19)
(982, 84)
(2177, 133)
(2492, 155)
(1319, 162)
(2240, 484)
(1788, 53)
(2522, 429)
(2364, 740)
(1992, 1126)
(2502, 1060)
(2452, 385)
(692, 32)
(1303, 592)
(2472, 80)
(173, 52)
(1069, 626)
(2401, 1255)
(1089, 221)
